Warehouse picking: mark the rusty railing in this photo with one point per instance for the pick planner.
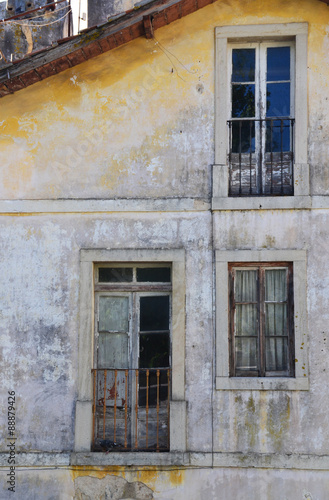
(131, 409)
(261, 157)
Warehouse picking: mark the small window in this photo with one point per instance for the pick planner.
(261, 320)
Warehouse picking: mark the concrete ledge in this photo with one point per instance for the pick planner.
(262, 384)
(36, 458)
(263, 203)
(301, 461)
(272, 461)
(113, 205)
(128, 458)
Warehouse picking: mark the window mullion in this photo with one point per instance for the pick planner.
(261, 328)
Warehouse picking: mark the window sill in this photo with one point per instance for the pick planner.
(261, 203)
(128, 458)
(262, 383)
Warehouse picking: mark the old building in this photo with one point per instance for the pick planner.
(164, 239)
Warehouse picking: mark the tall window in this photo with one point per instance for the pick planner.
(132, 357)
(262, 118)
(261, 320)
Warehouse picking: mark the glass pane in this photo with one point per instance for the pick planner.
(246, 354)
(113, 350)
(243, 136)
(276, 354)
(276, 319)
(278, 136)
(243, 65)
(154, 350)
(278, 64)
(246, 316)
(278, 99)
(115, 274)
(245, 286)
(155, 274)
(154, 313)
(276, 284)
(113, 314)
(243, 101)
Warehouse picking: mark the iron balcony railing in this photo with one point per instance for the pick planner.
(131, 409)
(261, 157)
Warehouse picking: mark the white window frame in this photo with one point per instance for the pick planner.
(223, 379)
(225, 35)
(83, 424)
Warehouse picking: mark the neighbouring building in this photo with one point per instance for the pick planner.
(164, 217)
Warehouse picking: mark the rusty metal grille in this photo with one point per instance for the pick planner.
(131, 409)
(261, 157)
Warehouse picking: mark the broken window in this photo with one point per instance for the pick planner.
(261, 320)
(261, 126)
(132, 357)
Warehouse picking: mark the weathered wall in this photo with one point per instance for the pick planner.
(137, 122)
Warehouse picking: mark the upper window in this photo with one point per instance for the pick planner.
(261, 320)
(262, 119)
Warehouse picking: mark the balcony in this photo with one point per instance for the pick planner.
(261, 157)
(131, 409)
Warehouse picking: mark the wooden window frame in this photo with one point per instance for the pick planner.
(224, 380)
(261, 268)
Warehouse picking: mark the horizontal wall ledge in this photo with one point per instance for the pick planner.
(128, 458)
(194, 459)
(35, 459)
(263, 203)
(262, 384)
(95, 205)
(272, 461)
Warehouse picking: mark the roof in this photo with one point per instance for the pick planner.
(71, 51)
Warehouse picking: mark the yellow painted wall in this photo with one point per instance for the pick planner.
(138, 121)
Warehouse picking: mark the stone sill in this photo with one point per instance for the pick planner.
(128, 458)
(262, 383)
(263, 203)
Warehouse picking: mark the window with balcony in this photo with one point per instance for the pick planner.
(261, 117)
(131, 378)
(261, 124)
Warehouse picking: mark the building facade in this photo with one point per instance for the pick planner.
(164, 234)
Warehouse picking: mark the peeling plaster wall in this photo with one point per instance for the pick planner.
(137, 123)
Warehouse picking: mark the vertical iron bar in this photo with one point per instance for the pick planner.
(281, 133)
(158, 408)
(168, 408)
(240, 163)
(126, 405)
(94, 408)
(136, 410)
(271, 190)
(104, 403)
(115, 404)
(260, 187)
(292, 122)
(250, 155)
(147, 406)
(230, 155)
